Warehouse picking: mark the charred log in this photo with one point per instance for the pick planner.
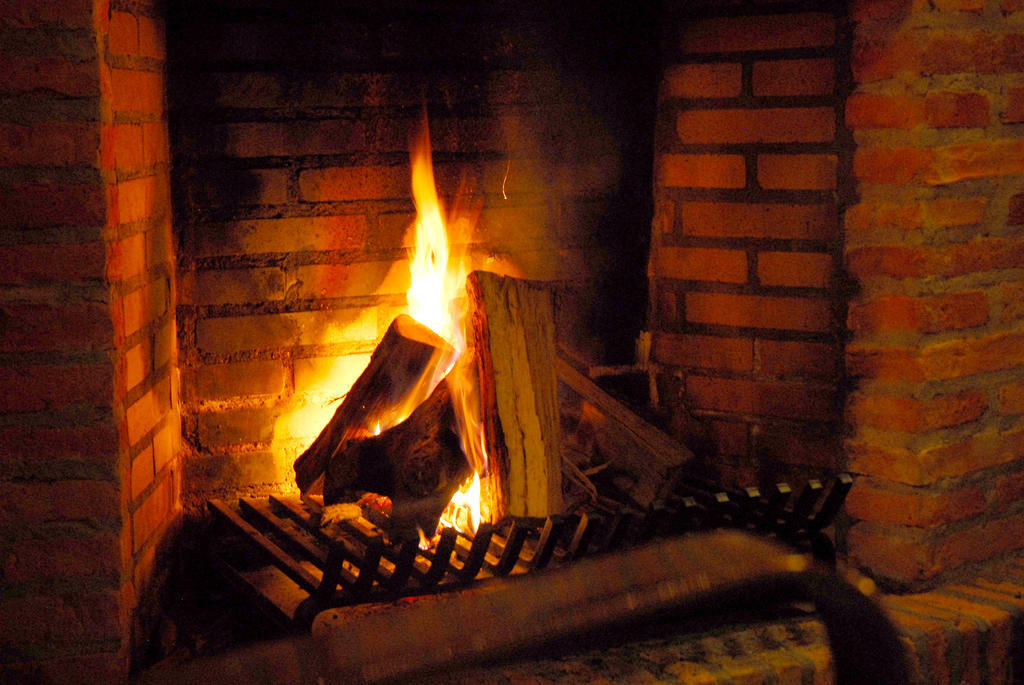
(397, 375)
(418, 464)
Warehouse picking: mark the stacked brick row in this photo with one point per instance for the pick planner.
(937, 327)
(745, 303)
(292, 134)
(85, 334)
(140, 271)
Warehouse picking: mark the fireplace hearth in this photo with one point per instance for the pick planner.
(794, 226)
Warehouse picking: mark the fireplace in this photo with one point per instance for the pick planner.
(204, 207)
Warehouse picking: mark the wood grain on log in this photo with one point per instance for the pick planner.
(513, 338)
(650, 456)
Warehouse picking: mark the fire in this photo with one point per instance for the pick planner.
(437, 299)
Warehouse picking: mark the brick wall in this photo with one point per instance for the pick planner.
(291, 131)
(87, 428)
(934, 240)
(746, 304)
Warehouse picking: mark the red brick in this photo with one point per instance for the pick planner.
(703, 351)
(864, 219)
(893, 412)
(27, 74)
(353, 280)
(155, 147)
(874, 501)
(1008, 490)
(139, 198)
(152, 42)
(82, 617)
(65, 500)
(136, 365)
(891, 166)
(165, 444)
(797, 446)
(972, 52)
(1011, 398)
(941, 361)
(84, 443)
(795, 358)
(239, 286)
(743, 220)
(974, 6)
(127, 146)
(63, 558)
(28, 13)
(269, 331)
(796, 269)
(975, 160)
(722, 80)
(35, 388)
(759, 311)
(954, 311)
(957, 110)
(50, 143)
(1015, 216)
(866, 111)
(142, 416)
(700, 264)
(142, 472)
(794, 77)
(286, 235)
(220, 381)
(769, 32)
(124, 34)
(126, 258)
(703, 171)
(257, 426)
(46, 327)
(25, 264)
(981, 451)
(1013, 107)
(132, 311)
(797, 172)
(865, 10)
(354, 183)
(730, 437)
(976, 544)
(980, 254)
(1011, 6)
(892, 555)
(33, 205)
(138, 92)
(777, 399)
(153, 513)
(271, 139)
(780, 125)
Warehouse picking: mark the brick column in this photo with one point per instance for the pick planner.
(744, 298)
(85, 339)
(937, 328)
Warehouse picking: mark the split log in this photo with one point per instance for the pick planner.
(513, 333)
(399, 374)
(651, 457)
(418, 464)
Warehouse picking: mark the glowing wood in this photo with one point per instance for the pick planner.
(513, 339)
(418, 464)
(408, 353)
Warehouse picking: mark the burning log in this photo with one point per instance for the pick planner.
(398, 375)
(514, 342)
(418, 464)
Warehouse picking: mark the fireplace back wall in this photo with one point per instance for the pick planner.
(291, 132)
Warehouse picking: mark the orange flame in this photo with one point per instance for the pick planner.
(437, 299)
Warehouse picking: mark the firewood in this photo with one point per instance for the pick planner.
(513, 337)
(418, 464)
(398, 374)
(650, 457)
